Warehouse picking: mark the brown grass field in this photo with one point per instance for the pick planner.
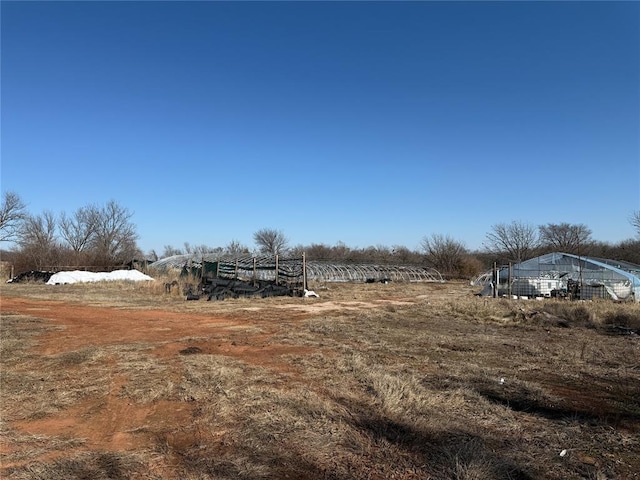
(369, 381)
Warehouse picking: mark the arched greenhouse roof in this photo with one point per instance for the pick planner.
(337, 272)
(317, 271)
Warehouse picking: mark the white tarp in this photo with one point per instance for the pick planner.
(78, 276)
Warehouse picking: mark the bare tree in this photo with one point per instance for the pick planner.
(270, 241)
(200, 250)
(635, 221)
(444, 253)
(12, 214)
(115, 238)
(37, 239)
(236, 249)
(402, 255)
(170, 251)
(565, 237)
(517, 240)
(79, 229)
(38, 230)
(317, 251)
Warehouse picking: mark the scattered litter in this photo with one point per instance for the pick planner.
(621, 330)
(563, 453)
(310, 293)
(502, 381)
(222, 288)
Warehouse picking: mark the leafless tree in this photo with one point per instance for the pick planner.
(12, 213)
(37, 239)
(270, 241)
(627, 250)
(373, 254)
(79, 229)
(517, 240)
(341, 252)
(115, 238)
(444, 253)
(635, 221)
(315, 251)
(170, 251)
(565, 237)
(38, 230)
(200, 250)
(236, 249)
(402, 255)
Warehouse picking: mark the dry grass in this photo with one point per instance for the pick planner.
(380, 381)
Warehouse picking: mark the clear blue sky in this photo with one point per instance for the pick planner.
(369, 123)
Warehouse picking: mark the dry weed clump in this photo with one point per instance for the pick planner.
(92, 465)
(596, 313)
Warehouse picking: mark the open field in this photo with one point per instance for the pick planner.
(404, 381)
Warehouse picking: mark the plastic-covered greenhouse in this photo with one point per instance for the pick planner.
(564, 274)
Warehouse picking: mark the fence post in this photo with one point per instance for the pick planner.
(496, 280)
(304, 271)
(276, 273)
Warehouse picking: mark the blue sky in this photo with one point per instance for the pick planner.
(367, 123)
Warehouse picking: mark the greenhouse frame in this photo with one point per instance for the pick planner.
(269, 267)
(564, 275)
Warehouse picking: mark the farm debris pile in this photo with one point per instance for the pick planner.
(32, 276)
(222, 288)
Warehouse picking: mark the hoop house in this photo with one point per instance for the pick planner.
(560, 274)
(335, 272)
(265, 267)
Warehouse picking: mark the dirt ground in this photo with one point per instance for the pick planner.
(104, 422)
(110, 421)
(107, 423)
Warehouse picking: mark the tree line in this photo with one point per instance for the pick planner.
(104, 236)
(94, 235)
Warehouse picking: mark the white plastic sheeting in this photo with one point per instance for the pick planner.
(78, 276)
